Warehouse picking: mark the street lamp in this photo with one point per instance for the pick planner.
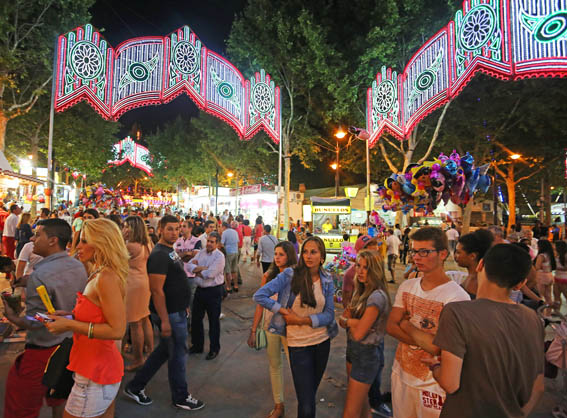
(515, 156)
(334, 166)
(340, 134)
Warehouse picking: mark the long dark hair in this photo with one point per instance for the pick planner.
(291, 237)
(302, 284)
(544, 247)
(561, 247)
(274, 270)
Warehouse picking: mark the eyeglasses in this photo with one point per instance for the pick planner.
(422, 252)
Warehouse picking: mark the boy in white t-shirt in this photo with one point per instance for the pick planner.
(413, 321)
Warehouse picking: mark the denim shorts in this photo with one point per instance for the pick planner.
(365, 361)
(89, 399)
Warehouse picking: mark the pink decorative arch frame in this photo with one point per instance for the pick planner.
(507, 39)
(154, 70)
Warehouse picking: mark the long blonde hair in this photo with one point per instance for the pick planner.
(375, 280)
(110, 249)
(24, 219)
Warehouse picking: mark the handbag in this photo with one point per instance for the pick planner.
(261, 340)
(57, 378)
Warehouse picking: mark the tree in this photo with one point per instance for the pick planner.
(284, 38)
(82, 140)
(495, 120)
(28, 29)
(190, 152)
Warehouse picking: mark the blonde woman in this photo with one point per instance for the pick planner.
(138, 289)
(99, 321)
(23, 232)
(365, 319)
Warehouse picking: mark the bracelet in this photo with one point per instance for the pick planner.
(91, 330)
(434, 366)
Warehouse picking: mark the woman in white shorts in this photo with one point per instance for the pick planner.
(99, 322)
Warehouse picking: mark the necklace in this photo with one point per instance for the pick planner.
(94, 273)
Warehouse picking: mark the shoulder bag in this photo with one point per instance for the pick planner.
(57, 378)
(261, 340)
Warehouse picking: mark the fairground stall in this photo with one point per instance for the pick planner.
(331, 220)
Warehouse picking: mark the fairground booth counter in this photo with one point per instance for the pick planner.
(19, 188)
(331, 218)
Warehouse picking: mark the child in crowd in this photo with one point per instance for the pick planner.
(365, 320)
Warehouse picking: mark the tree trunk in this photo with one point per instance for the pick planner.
(511, 187)
(467, 212)
(546, 198)
(287, 179)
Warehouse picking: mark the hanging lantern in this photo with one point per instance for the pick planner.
(75, 174)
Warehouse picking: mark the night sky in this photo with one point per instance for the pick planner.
(211, 20)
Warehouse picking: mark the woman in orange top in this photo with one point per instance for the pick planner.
(99, 318)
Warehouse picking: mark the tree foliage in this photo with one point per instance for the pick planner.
(189, 151)
(28, 30)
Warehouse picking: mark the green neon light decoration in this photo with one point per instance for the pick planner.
(138, 72)
(549, 28)
(86, 60)
(226, 90)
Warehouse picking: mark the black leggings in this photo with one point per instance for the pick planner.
(307, 367)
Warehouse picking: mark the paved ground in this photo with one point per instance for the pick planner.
(236, 384)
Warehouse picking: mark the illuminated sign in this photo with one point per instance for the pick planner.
(153, 70)
(507, 39)
(137, 155)
(331, 209)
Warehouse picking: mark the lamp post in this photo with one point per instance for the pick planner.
(340, 134)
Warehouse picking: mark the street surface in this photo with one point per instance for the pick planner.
(236, 384)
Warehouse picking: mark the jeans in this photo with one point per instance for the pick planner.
(307, 367)
(207, 299)
(172, 349)
(374, 395)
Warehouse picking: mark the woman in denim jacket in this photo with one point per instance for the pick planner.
(305, 313)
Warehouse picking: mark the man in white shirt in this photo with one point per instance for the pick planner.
(392, 250)
(452, 237)
(208, 267)
(413, 321)
(9, 234)
(26, 261)
(209, 227)
(266, 246)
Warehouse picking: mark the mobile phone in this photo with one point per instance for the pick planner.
(42, 317)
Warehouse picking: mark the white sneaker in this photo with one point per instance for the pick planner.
(221, 316)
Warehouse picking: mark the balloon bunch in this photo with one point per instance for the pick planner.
(377, 221)
(423, 186)
(99, 196)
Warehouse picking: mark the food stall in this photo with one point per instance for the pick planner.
(331, 219)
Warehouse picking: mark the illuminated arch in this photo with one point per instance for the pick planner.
(154, 70)
(507, 39)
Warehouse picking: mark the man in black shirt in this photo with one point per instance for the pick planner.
(170, 298)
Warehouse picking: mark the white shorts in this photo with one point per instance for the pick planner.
(410, 402)
(89, 399)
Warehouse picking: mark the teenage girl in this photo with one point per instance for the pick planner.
(304, 311)
(365, 319)
(284, 256)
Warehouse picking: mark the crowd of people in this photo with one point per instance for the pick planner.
(466, 348)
